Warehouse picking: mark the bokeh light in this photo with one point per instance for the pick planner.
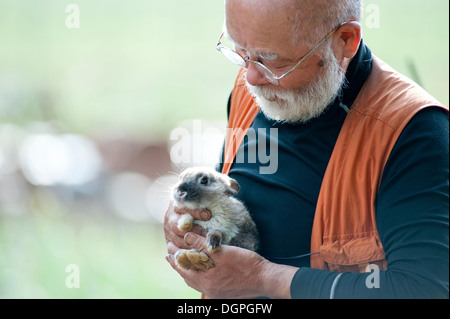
(96, 122)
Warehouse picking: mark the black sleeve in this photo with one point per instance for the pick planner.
(412, 210)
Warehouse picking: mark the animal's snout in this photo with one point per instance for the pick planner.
(181, 192)
(187, 192)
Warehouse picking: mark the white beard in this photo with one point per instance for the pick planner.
(302, 105)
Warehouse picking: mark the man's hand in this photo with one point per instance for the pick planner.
(237, 272)
(173, 234)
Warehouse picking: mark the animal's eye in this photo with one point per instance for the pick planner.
(204, 180)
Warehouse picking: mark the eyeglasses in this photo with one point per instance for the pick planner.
(237, 59)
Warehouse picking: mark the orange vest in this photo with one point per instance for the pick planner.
(344, 229)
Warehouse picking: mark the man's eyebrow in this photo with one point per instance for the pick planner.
(268, 56)
(261, 55)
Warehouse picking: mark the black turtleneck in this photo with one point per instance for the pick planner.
(412, 204)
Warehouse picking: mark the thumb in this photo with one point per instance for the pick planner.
(195, 241)
(199, 214)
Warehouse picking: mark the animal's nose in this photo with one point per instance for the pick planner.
(181, 194)
(181, 191)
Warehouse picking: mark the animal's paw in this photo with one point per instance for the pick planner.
(185, 222)
(193, 259)
(213, 240)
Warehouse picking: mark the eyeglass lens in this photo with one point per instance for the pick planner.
(235, 58)
(232, 56)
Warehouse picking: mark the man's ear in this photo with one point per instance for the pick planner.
(348, 39)
(233, 187)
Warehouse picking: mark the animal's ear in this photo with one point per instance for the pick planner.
(233, 187)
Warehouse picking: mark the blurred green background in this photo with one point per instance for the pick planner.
(85, 119)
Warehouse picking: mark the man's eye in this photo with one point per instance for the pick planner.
(274, 65)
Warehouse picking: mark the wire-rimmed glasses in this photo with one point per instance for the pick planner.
(237, 59)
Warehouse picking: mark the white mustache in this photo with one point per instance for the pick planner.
(303, 104)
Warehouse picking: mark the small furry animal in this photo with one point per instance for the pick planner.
(230, 222)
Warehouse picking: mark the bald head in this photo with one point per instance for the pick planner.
(313, 18)
(304, 20)
(267, 18)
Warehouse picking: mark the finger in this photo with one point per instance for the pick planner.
(190, 276)
(172, 248)
(175, 235)
(179, 241)
(195, 241)
(199, 214)
(173, 222)
(184, 273)
(199, 230)
(171, 231)
(171, 259)
(170, 219)
(180, 233)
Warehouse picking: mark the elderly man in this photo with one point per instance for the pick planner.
(358, 205)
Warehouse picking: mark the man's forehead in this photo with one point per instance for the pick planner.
(262, 32)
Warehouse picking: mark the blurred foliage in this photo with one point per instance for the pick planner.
(116, 259)
(136, 69)
(140, 67)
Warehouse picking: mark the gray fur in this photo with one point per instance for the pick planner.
(230, 223)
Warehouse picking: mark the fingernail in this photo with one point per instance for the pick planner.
(190, 239)
(169, 257)
(205, 214)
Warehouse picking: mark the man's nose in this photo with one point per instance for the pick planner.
(254, 77)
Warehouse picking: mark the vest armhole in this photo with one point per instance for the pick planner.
(229, 105)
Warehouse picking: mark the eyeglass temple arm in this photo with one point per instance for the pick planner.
(312, 50)
(219, 41)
